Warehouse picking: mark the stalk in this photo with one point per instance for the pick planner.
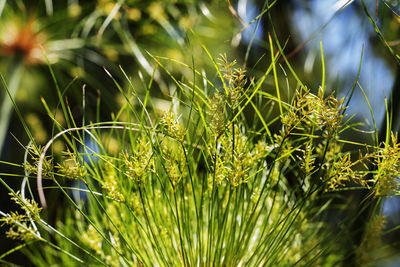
(16, 71)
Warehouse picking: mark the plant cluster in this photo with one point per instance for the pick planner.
(202, 186)
(223, 169)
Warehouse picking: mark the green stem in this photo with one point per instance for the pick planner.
(16, 71)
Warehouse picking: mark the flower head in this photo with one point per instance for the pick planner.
(22, 40)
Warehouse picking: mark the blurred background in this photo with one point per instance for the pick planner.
(80, 39)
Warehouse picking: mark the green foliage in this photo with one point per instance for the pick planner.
(222, 169)
(208, 188)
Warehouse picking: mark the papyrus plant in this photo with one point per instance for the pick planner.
(199, 185)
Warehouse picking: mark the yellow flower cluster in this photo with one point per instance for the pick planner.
(388, 163)
(21, 225)
(140, 162)
(308, 111)
(71, 167)
(236, 158)
(174, 161)
(234, 79)
(172, 127)
(110, 184)
(35, 153)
